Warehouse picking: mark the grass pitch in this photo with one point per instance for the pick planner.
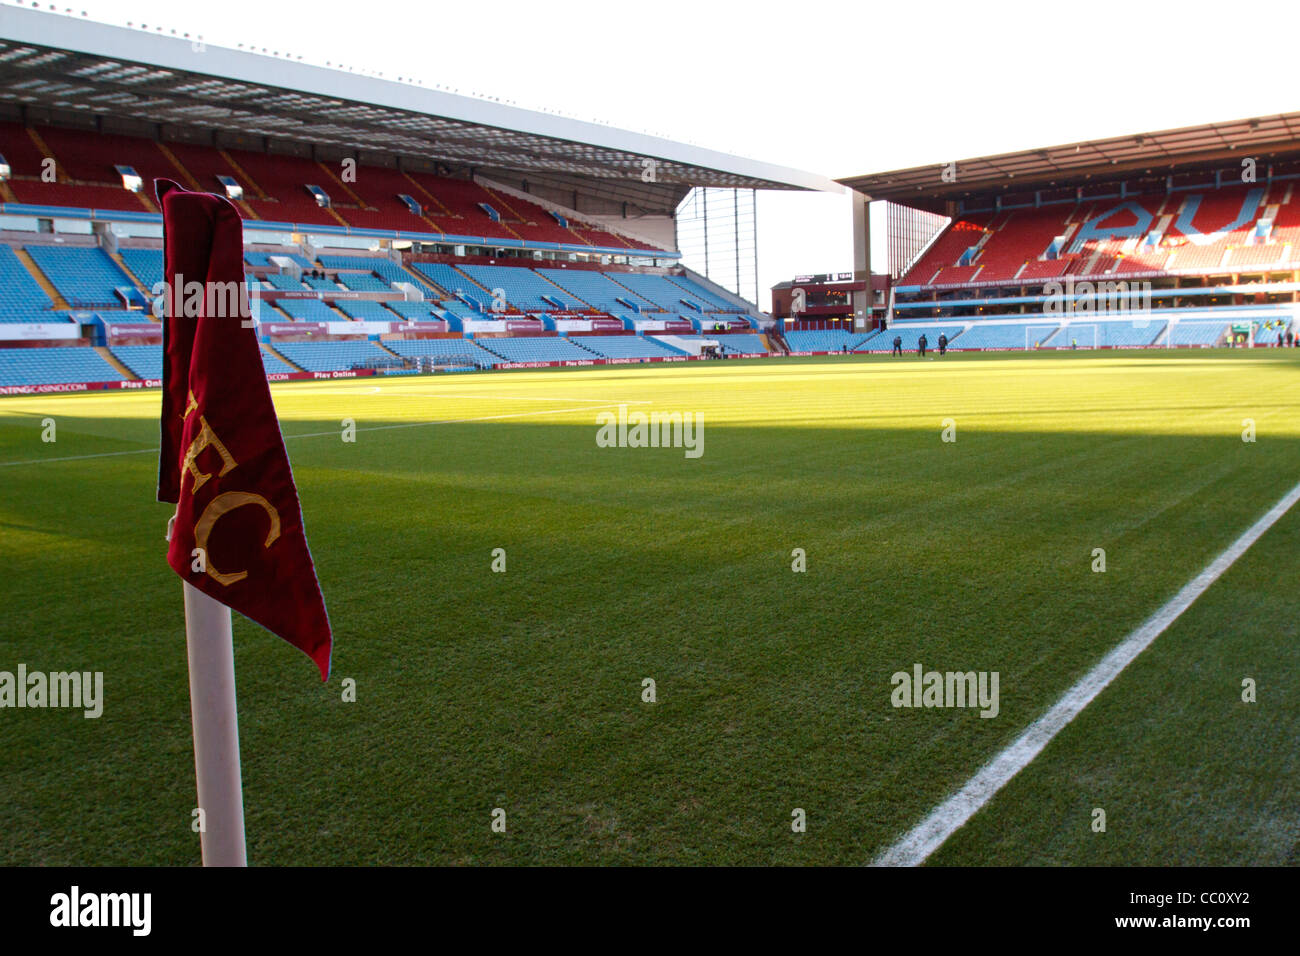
(523, 690)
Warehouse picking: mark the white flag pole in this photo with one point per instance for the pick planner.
(216, 728)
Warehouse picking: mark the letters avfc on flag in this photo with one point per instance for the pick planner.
(223, 461)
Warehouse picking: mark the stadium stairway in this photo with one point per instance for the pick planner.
(443, 211)
(247, 181)
(106, 354)
(121, 264)
(25, 257)
(280, 355)
(186, 177)
(384, 348)
(560, 288)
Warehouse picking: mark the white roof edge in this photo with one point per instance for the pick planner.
(60, 31)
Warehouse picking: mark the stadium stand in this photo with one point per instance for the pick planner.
(1107, 334)
(85, 276)
(286, 282)
(144, 361)
(626, 346)
(359, 282)
(1196, 230)
(450, 350)
(58, 365)
(827, 340)
(447, 278)
(413, 311)
(331, 356)
(524, 289)
(145, 264)
(742, 343)
(662, 292)
(366, 310)
(535, 349)
(1196, 333)
(884, 342)
(995, 335)
(595, 289)
(275, 188)
(308, 310)
(21, 297)
(736, 343)
(696, 291)
(262, 258)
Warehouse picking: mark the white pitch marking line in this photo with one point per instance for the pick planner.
(524, 398)
(373, 428)
(945, 819)
(102, 454)
(458, 421)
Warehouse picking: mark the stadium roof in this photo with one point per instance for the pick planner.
(64, 63)
(1073, 163)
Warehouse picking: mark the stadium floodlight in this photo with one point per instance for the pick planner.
(130, 178)
(321, 196)
(234, 191)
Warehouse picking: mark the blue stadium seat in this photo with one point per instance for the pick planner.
(330, 356)
(57, 365)
(523, 288)
(822, 340)
(626, 346)
(84, 275)
(667, 295)
(535, 349)
(596, 289)
(455, 351)
(146, 264)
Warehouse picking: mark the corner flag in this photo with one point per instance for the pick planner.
(238, 534)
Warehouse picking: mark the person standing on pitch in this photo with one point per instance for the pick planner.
(898, 346)
(921, 343)
(943, 343)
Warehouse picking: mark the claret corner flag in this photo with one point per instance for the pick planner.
(238, 533)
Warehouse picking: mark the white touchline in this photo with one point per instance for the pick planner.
(335, 432)
(102, 454)
(945, 819)
(521, 398)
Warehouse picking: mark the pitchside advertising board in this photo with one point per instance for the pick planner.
(347, 373)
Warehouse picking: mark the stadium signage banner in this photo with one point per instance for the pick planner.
(134, 330)
(588, 325)
(55, 387)
(18, 331)
(339, 373)
(358, 328)
(295, 328)
(430, 326)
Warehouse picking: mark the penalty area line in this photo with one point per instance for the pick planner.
(948, 817)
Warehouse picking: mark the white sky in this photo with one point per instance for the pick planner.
(837, 88)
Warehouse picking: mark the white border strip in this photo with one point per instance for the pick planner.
(931, 833)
